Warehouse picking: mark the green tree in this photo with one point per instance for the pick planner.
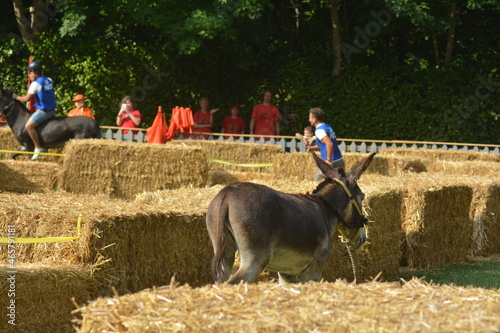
(385, 85)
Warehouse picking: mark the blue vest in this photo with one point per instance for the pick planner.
(45, 99)
(322, 146)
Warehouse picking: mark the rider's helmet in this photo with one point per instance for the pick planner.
(35, 67)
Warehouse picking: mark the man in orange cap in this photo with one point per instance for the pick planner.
(80, 110)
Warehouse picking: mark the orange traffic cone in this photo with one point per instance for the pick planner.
(157, 132)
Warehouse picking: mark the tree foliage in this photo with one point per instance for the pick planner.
(409, 69)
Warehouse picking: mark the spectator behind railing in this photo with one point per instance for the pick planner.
(233, 124)
(79, 109)
(265, 117)
(203, 118)
(128, 117)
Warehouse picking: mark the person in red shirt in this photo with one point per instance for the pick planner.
(128, 117)
(203, 118)
(79, 109)
(265, 117)
(233, 124)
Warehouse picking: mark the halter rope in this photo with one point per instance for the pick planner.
(352, 202)
(8, 106)
(344, 237)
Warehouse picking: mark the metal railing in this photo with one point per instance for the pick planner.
(292, 144)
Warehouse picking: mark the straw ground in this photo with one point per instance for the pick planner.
(312, 307)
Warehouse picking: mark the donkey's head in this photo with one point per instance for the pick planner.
(351, 217)
(5, 97)
(6, 100)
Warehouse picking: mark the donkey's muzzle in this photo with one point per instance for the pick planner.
(359, 221)
(359, 240)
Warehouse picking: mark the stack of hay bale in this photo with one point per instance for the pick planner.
(446, 214)
(123, 169)
(421, 220)
(27, 177)
(236, 153)
(300, 166)
(123, 245)
(224, 158)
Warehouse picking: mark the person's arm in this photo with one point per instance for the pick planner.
(329, 148)
(212, 116)
(277, 126)
(119, 116)
(243, 125)
(24, 99)
(252, 126)
(91, 113)
(135, 120)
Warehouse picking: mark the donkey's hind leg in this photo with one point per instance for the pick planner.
(229, 256)
(251, 265)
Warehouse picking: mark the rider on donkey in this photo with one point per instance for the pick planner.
(42, 88)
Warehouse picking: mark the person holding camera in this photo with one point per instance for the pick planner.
(128, 117)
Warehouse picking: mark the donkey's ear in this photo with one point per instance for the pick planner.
(326, 168)
(358, 170)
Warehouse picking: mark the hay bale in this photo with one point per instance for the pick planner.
(382, 205)
(436, 224)
(123, 169)
(235, 152)
(469, 168)
(27, 177)
(415, 166)
(382, 251)
(294, 166)
(129, 246)
(149, 249)
(485, 216)
(43, 296)
(433, 155)
(7, 142)
(310, 307)
(301, 166)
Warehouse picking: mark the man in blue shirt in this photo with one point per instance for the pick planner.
(42, 88)
(326, 141)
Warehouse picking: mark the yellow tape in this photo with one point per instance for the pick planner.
(247, 165)
(29, 152)
(47, 239)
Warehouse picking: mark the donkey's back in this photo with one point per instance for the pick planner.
(58, 130)
(287, 233)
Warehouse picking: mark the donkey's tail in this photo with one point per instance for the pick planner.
(218, 272)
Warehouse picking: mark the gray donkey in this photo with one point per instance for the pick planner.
(286, 233)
